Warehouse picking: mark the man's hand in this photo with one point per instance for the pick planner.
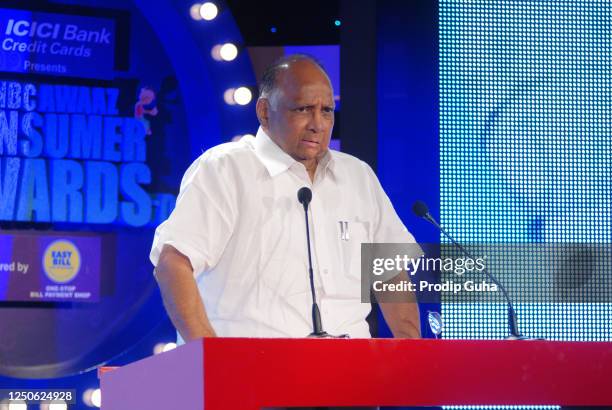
(402, 314)
(181, 297)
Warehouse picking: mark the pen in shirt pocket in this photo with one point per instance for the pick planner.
(344, 230)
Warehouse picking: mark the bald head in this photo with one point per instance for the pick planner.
(294, 66)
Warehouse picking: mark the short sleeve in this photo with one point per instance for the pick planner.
(202, 221)
(387, 226)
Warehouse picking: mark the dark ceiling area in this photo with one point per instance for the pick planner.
(276, 22)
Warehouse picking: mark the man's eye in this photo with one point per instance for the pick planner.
(328, 110)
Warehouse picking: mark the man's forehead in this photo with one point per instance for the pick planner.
(310, 93)
(302, 74)
(305, 95)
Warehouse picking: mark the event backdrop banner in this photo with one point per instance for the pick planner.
(49, 267)
(66, 155)
(56, 44)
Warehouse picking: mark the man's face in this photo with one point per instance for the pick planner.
(300, 112)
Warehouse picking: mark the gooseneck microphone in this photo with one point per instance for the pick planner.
(305, 196)
(420, 209)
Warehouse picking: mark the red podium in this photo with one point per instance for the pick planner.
(248, 374)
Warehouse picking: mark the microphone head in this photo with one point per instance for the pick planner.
(304, 196)
(420, 209)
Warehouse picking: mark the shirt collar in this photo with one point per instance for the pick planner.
(278, 161)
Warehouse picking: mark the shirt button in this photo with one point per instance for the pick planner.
(325, 271)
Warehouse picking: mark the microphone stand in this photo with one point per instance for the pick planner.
(305, 196)
(515, 334)
(317, 327)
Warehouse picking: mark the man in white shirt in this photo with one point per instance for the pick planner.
(231, 259)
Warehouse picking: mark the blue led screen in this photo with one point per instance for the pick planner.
(526, 146)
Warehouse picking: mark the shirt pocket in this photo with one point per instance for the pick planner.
(351, 234)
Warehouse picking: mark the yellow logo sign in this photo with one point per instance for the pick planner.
(62, 261)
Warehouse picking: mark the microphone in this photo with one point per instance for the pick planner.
(305, 196)
(421, 210)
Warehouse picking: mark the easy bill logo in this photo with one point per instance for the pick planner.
(61, 261)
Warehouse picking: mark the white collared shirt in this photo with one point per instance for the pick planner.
(238, 220)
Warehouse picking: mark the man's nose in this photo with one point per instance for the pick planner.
(316, 121)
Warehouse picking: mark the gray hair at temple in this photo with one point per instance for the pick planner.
(268, 79)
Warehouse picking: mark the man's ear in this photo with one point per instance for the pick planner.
(262, 109)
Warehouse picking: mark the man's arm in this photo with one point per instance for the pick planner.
(181, 297)
(401, 311)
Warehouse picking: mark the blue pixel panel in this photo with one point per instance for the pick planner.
(526, 146)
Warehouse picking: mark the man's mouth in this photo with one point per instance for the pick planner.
(310, 143)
